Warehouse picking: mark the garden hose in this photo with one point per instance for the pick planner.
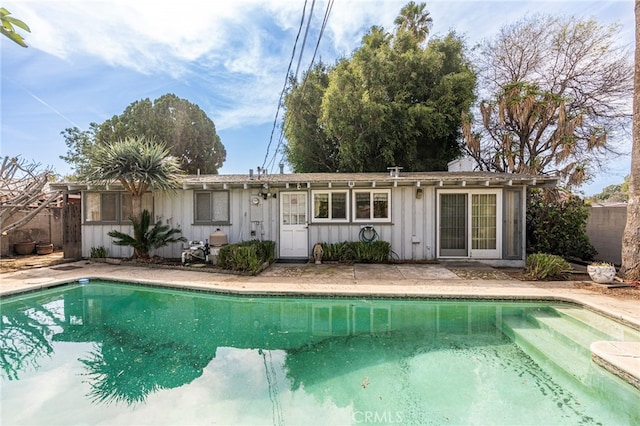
(368, 234)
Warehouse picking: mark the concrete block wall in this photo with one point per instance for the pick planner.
(45, 228)
(605, 228)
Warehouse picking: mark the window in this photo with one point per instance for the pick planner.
(112, 207)
(211, 208)
(372, 205)
(330, 206)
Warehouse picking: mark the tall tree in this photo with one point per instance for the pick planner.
(80, 144)
(394, 102)
(136, 163)
(186, 130)
(415, 20)
(182, 126)
(631, 238)
(309, 148)
(557, 98)
(8, 26)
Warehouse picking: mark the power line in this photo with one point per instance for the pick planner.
(304, 40)
(284, 87)
(321, 33)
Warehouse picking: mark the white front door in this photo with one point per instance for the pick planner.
(294, 235)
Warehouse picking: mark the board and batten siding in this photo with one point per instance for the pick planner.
(412, 230)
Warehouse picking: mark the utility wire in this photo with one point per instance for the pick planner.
(325, 19)
(284, 87)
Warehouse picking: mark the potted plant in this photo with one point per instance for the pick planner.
(25, 247)
(601, 272)
(44, 248)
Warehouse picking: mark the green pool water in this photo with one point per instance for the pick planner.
(115, 354)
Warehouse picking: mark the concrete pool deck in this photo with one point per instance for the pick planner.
(393, 280)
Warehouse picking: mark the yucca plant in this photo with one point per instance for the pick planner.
(144, 239)
(138, 164)
(544, 266)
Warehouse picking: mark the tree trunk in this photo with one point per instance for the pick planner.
(631, 238)
(136, 206)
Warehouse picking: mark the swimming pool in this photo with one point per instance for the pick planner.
(108, 353)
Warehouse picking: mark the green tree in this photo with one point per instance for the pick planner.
(138, 164)
(558, 226)
(80, 144)
(394, 102)
(144, 239)
(309, 148)
(182, 126)
(8, 24)
(557, 98)
(613, 193)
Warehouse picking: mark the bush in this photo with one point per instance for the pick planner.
(357, 251)
(543, 266)
(248, 256)
(558, 227)
(98, 252)
(145, 237)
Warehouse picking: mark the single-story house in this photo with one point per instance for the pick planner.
(425, 216)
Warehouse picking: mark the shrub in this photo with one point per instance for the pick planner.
(98, 252)
(543, 266)
(248, 256)
(145, 237)
(357, 251)
(558, 226)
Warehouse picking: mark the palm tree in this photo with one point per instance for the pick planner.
(631, 238)
(145, 239)
(138, 164)
(415, 20)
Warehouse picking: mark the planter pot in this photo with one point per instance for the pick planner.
(44, 248)
(25, 248)
(601, 274)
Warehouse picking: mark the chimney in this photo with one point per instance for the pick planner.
(281, 168)
(250, 174)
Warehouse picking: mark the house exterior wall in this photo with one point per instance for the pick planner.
(412, 230)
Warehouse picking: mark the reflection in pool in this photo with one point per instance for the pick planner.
(107, 353)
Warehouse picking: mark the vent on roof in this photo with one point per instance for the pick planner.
(394, 171)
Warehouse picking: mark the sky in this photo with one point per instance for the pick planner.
(88, 60)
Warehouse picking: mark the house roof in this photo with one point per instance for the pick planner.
(340, 180)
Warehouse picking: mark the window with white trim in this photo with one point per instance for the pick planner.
(372, 205)
(112, 207)
(330, 206)
(211, 208)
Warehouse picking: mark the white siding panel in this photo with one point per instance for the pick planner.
(413, 219)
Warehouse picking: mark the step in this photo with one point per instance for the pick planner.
(547, 349)
(614, 330)
(576, 334)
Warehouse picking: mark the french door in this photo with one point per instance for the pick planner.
(469, 224)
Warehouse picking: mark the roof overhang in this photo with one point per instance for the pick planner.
(300, 181)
